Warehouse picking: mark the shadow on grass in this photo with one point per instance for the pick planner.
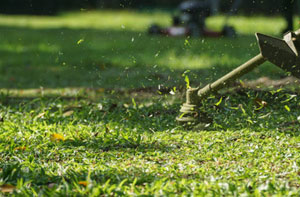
(39, 177)
(116, 59)
(256, 110)
(117, 143)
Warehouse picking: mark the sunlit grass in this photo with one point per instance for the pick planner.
(117, 20)
(272, 25)
(139, 21)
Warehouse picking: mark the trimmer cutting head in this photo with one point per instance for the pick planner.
(190, 113)
(189, 110)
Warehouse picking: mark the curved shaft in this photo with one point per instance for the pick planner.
(233, 75)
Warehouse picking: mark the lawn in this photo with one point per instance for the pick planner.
(88, 104)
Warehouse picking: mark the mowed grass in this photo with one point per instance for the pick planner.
(86, 109)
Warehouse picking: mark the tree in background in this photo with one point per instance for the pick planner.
(288, 9)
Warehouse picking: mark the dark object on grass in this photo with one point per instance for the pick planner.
(284, 53)
(191, 22)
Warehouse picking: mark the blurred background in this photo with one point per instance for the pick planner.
(53, 6)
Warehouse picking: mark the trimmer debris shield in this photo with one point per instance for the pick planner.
(281, 52)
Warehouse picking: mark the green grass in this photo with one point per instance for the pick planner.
(112, 41)
(102, 84)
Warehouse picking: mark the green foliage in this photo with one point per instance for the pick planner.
(88, 108)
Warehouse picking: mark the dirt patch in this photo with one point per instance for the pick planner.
(266, 82)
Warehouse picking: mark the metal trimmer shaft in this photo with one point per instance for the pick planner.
(281, 52)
